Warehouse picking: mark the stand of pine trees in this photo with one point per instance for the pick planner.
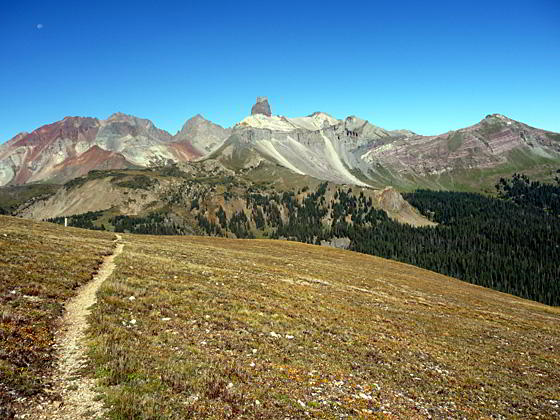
(508, 245)
(486, 241)
(521, 190)
(152, 224)
(84, 220)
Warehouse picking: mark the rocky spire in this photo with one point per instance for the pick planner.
(261, 107)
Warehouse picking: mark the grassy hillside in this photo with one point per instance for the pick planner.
(221, 328)
(41, 266)
(11, 197)
(199, 327)
(481, 180)
(176, 199)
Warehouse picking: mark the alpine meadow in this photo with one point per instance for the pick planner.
(316, 210)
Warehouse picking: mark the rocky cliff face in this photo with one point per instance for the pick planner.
(137, 139)
(354, 151)
(261, 107)
(317, 145)
(495, 142)
(65, 149)
(32, 156)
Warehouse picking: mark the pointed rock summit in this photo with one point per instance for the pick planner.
(261, 107)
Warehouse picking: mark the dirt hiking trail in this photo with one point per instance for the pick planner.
(78, 392)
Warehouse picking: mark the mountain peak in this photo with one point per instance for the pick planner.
(132, 119)
(197, 118)
(261, 106)
(202, 135)
(497, 117)
(194, 122)
(119, 115)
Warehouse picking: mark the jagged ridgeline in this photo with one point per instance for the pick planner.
(351, 150)
(508, 244)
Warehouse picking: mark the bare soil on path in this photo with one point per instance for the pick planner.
(77, 391)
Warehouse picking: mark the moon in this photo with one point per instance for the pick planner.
(40, 26)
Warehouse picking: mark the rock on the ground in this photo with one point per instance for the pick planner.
(342, 243)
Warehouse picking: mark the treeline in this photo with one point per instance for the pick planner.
(238, 224)
(485, 241)
(521, 190)
(491, 242)
(152, 224)
(137, 182)
(84, 220)
(304, 219)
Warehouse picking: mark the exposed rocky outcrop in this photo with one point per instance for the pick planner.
(129, 124)
(317, 145)
(261, 107)
(496, 140)
(32, 156)
(398, 208)
(354, 151)
(341, 243)
(95, 158)
(71, 147)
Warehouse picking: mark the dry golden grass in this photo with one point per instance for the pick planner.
(219, 328)
(41, 266)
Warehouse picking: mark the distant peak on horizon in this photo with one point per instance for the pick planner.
(197, 120)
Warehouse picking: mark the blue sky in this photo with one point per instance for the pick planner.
(425, 66)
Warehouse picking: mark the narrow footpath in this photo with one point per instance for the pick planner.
(78, 392)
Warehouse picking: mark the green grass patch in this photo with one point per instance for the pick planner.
(454, 141)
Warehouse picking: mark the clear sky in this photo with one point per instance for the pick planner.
(428, 66)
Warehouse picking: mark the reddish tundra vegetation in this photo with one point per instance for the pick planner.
(41, 267)
(220, 328)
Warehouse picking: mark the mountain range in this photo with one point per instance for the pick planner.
(344, 151)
